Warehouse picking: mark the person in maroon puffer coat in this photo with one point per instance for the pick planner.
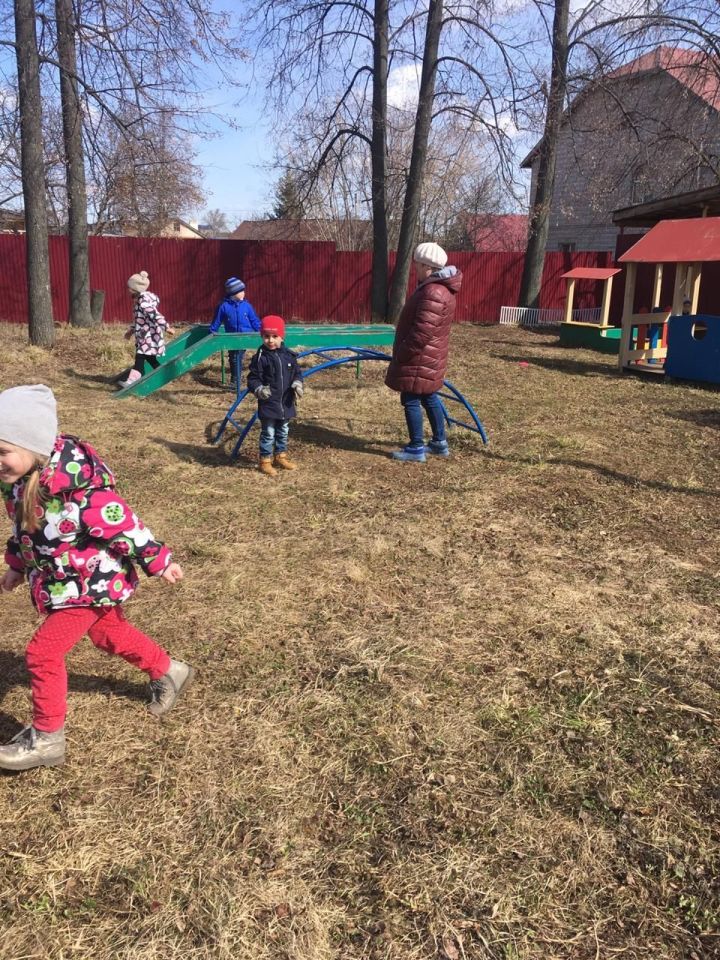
(420, 352)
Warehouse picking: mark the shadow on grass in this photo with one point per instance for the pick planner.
(702, 418)
(210, 377)
(301, 432)
(317, 435)
(562, 364)
(522, 331)
(13, 673)
(207, 453)
(606, 472)
(111, 380)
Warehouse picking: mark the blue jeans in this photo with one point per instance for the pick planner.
(273, 437)
(413, 404)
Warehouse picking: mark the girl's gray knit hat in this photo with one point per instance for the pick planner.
(28, 418)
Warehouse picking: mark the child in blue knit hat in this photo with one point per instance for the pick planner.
(236, 315)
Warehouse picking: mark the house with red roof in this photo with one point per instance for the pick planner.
(498, 232)
(649, 129)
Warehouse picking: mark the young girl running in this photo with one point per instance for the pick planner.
(75, 540)
(149, 327)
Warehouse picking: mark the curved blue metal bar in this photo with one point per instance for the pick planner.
(356, 354)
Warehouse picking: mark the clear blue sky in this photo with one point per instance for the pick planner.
(238, 179)
(238, 161)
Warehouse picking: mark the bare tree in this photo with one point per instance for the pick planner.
(216, 223)
(79, 263)
(40, 319)
(588, 44)
(104, 57)
(334, 52)
(332, 55)
(140, 185)
(418, 158)
(540, 210)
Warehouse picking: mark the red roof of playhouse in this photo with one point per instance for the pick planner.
(492, 232)
(590, 273)
(677, 241)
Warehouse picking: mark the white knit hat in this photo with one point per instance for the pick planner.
(28, 418)
(139, 282)
(431, 254)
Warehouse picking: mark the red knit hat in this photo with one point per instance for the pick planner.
(272, 324)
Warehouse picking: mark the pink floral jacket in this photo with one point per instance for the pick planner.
(81, 553)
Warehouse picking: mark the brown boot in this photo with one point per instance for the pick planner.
(265, 466)
(283, 462)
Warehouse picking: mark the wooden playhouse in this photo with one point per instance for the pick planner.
(597, 336)
(662, 340)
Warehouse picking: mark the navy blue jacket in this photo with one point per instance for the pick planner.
(277, 369)
(236, 316)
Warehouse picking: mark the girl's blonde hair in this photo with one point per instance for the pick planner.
(33, 496)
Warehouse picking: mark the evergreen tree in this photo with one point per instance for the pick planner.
(288, 203)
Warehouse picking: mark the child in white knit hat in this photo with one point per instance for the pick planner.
(420, 352)
(149, 327)
(75, 540)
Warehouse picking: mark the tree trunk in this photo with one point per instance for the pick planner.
(80, 313)
(97, 305)
(379, 288)
(41, 328)
(545, 181)
(418, 157)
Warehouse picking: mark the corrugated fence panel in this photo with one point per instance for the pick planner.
(183, 273)
(14, 299)
(311, 282)
(490, 281)
(554, 288)
(352, 287)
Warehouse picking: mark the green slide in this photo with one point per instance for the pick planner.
(196, 345)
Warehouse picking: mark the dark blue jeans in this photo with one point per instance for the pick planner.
(413, 404)
(235, 360)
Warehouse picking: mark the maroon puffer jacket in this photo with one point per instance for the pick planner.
(420, 351)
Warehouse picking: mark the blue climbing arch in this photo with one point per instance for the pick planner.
(449, 393)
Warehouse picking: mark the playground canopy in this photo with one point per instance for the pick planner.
(678, 241)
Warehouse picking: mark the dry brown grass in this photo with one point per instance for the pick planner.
(462, 710)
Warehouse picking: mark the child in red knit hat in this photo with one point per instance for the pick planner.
(276, 381)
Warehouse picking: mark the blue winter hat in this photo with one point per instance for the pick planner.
(233, 286)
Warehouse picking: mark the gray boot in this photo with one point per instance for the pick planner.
(165, 691)
(33, 748)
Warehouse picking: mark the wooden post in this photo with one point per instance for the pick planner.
(657, 286)
(681, 276)
(569, 299)
(605, 308)
(628, 303)
(694, 287)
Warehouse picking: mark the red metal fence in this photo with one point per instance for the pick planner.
(300, 281)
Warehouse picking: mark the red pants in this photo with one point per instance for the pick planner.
(108, 629)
